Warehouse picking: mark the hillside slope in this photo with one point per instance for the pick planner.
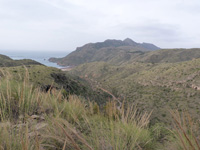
(115, 50)
(170, 55)
(48, 78)
(158, 87)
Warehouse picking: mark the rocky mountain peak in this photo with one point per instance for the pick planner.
(130, 42)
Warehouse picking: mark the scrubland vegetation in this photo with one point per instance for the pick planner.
(151, 104)
(34, 119)
(158, 87)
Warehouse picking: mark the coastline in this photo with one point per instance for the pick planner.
(68, 68)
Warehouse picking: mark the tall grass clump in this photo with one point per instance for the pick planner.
(17, 98)
(186, 131)
(91, 130)
(18, 137)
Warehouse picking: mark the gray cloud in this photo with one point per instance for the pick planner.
(155, 32)
(66, 24)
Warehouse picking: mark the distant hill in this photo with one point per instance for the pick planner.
(110, 50)
(6, 61)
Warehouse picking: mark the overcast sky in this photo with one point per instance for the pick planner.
(66, 24)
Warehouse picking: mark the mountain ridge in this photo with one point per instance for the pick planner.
(102, 51)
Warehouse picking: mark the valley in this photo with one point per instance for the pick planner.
(134, 88)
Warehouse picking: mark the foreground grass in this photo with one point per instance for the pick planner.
(31, 119)
(186, 131)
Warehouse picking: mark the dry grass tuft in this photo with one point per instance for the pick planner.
(186, 131)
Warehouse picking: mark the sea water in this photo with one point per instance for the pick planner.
(41, 57)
